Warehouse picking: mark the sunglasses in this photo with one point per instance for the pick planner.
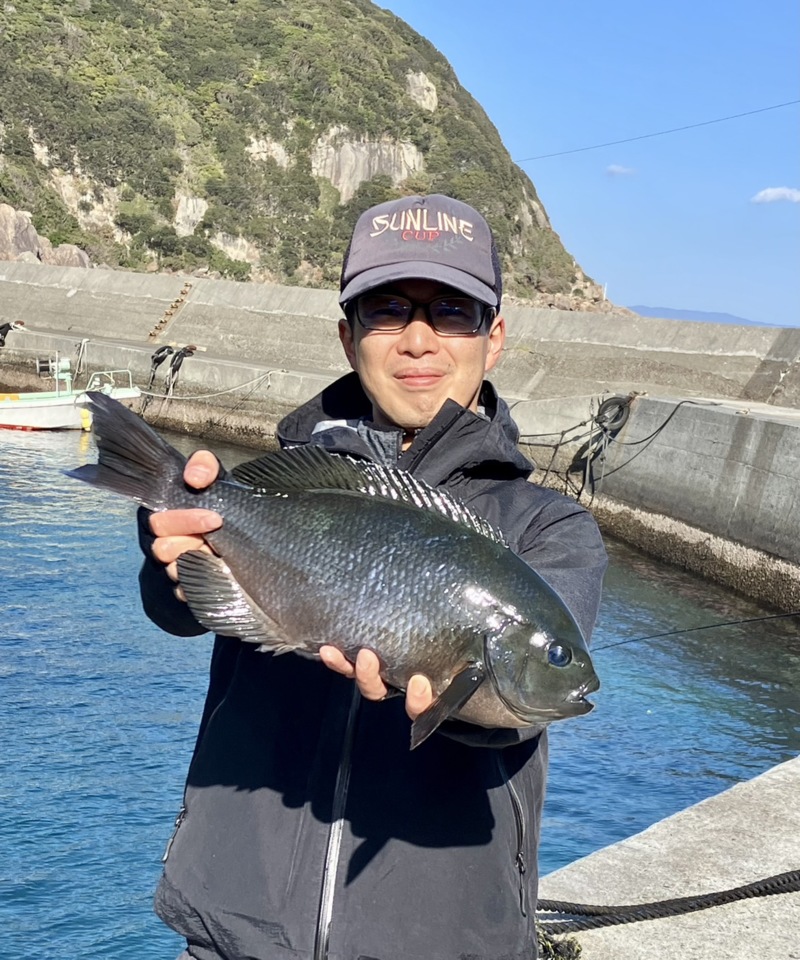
(449, 316)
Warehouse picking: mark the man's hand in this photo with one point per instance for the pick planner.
(366, 672)
(180, 530)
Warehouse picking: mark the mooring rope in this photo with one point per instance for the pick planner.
(571, 920)
(219, 393)
(611, 417)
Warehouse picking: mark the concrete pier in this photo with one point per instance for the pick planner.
(705, 473)
(745, 834)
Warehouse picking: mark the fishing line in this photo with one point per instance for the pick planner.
(660, 133)
(708, 626)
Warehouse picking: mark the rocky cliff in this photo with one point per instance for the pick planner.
(243, 138)
(20, 241)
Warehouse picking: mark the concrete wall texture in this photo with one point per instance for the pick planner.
(732, 466)
(729, 467)
(717, 485)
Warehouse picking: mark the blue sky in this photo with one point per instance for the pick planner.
(668, 221)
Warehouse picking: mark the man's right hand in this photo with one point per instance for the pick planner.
(180, 530)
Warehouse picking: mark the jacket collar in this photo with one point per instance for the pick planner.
(465, 442)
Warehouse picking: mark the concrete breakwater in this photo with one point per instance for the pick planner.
(704, 472)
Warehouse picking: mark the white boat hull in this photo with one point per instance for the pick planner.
(50, 411)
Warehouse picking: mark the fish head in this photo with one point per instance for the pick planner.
(540, 674)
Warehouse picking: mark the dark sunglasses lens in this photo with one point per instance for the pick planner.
(382, 312)
(449, 316)
(455, 315)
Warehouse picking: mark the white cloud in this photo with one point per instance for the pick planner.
(776, 194)
(615, 170)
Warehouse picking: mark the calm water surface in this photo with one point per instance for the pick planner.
(99, 710)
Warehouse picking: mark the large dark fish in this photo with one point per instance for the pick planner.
(318, 549)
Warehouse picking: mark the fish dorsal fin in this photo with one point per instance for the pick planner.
(299, 468)
(314, 468)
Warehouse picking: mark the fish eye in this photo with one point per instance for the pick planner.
(558, 656)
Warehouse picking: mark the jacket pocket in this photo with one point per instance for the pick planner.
(520, 860)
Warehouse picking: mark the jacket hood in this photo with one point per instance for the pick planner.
(466, 443)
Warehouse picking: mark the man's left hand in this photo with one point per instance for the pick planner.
(366, 673)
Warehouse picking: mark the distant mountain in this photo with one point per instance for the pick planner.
(701, 316)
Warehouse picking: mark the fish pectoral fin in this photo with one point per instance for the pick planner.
(449, 702)
(218, 601)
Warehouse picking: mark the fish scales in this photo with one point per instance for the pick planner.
(319, 549)
(347, 569)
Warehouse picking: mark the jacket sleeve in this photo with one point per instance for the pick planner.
(562, 543)
(158, 591)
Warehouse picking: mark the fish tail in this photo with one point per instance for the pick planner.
(133, 460)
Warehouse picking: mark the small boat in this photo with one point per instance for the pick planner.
(64, 408)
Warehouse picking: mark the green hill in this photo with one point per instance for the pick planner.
(245, 135)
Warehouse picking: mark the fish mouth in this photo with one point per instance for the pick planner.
(574, 704)
(577, 699)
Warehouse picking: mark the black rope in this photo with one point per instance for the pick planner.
(606, 916)
(611, 417)
(603, 429)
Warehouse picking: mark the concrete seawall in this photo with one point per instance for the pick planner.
(745, 834)
(711, 485)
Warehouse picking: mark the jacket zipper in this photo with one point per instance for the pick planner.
(178, 821)
(519, 817)
(183, 811)
(416, 458)
(331, 865)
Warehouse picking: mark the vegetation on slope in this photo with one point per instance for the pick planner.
(141, 103)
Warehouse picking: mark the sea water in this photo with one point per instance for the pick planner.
(99, 710)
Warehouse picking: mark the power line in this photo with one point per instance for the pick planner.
(660, 133)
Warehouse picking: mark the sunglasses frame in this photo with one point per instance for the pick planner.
(487, 314)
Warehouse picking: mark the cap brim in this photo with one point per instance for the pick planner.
(418, 270)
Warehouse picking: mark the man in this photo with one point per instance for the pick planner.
(309, 829)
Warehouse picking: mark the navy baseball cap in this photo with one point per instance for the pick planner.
(428, 238)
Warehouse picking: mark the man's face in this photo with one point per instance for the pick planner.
(408, 374)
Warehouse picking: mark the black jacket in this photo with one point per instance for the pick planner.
(309, 829)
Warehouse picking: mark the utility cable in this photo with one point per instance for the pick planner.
(614, 143)
(648, 439)
(655, 433)
(601, 434)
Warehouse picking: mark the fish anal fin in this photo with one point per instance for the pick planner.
(220, 604)
(448, 703)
